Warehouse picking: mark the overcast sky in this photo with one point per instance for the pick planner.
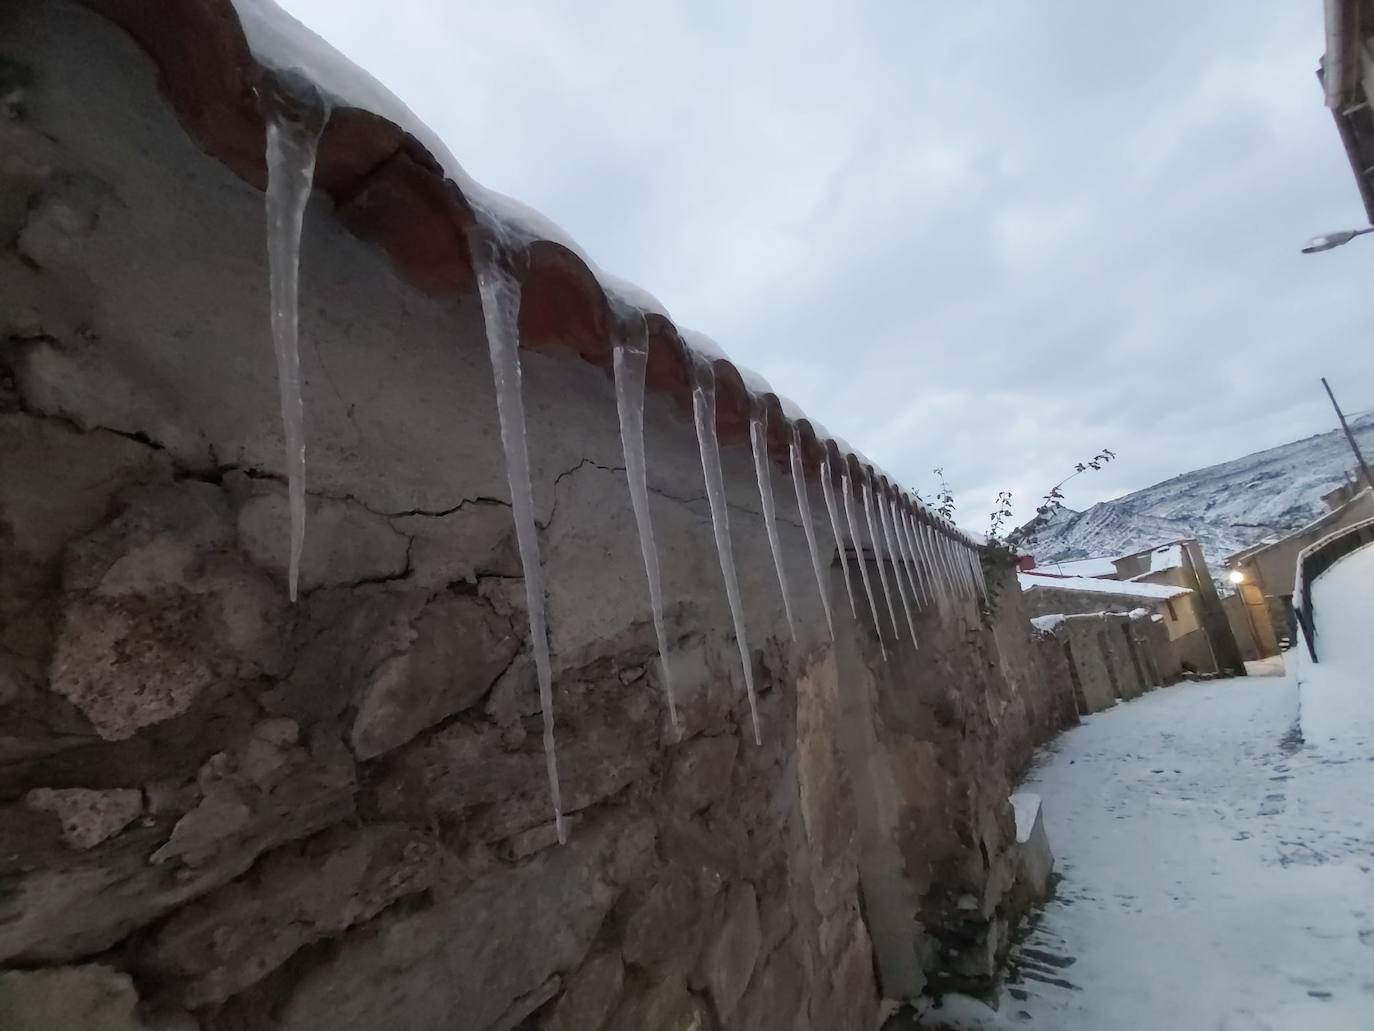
(992, 239)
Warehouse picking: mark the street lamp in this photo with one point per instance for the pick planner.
(1325, 243)
(1236, 576)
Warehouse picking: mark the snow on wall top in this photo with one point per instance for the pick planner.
(1091, 585)
(279, 43)
(1098, 567)
(1168, 557)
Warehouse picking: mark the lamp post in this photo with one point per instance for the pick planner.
(1330, 240)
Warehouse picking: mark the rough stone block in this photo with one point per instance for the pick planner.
(91, 998)
(590, 996)
(727, 962)
(88, 816)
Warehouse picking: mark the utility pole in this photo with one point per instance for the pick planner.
(1368, 479)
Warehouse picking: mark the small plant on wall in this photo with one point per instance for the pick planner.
(1005, 546)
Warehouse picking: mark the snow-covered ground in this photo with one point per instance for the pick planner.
(1218, 868)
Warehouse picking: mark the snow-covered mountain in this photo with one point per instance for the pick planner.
(1227, 507)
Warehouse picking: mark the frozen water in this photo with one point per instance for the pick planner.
(501, 309)
(631, 296)
(923, 594)
(804, 507)
(758, 437)
(927, 537)
(704, 409)
(859, 554)
(894, 553)
(294, 124)
(828, 491)
(878, 555)
(926, 595)
(631, 359)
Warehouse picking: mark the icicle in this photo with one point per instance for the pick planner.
(828, 491)
(903, 517)
(704, 408)
(979, 574)
(866, 488)
(942, 555)
(926, 536)
(631, 360)
(947, 557)
(758, 438)
(894, 553)
(804, 507)
(858, 552)
(957, 552)
(501, 309)
(296, 117)
(918, 558)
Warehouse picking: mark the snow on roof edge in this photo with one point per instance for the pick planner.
(1092, 585)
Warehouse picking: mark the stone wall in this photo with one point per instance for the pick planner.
(220, 810)
(1114, 656)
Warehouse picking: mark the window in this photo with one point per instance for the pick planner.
(1173, 616)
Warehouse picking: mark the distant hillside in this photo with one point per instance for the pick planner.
(1227, 506)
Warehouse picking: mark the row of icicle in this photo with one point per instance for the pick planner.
(929, 566)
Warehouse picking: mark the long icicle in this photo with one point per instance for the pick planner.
(978, 573)
(704, 409)
(828, 492)
(758, 439)
(866, 487)
(631, 359)
(925, 536)
(899, 515)
(804, 508)
(296, 117)
(967, 570)
(942, 557)
(952, 548)
(500, 292)
(917, 559)
(858, 552)
(943, 540)
(895, 554)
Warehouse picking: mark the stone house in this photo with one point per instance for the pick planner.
(1178, 563)
(1173, 607)
(1269, 566)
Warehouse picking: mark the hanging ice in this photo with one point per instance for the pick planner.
(899, 517)
(947, 557)
(895, 555)
(704, 408)
(925, 536)
(858, 553)
(865, 486)
(631, 360)
(965, 573)
(917, 559)
(977, 562)
(501, 310)
(758, 438)
(295, 119)
(828, 491)
(804, 507)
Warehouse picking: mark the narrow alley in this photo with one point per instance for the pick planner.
(1216, 844)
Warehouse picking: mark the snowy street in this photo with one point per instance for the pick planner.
(1216, 842)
